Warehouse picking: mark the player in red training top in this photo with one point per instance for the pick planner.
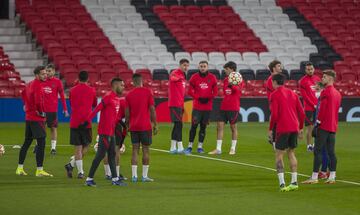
(139, 114)
(52, 88)
(288, 115)
(120, 134)
(33, 97)
(82, 99)
(177, 82)
(229, 110)
(109, 107)
(203, 89)
(308, 90)
(325, 130)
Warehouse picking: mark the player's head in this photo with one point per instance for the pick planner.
(50, 70)
(309, 68)
(40, 73)
(230, 67)
(117, 85)
(137, 80)
(184, 64)
(329, 77)
(203, 66)
(275, 67)
(83, 76)
(278, 80)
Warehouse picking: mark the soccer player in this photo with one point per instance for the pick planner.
(52, 88)
(33, 97)
(139, 114)
(229, 110)
(288, 115)
(275, 67)
(308, 90)
(177, 84)
(203, 89)
(120, 134)
(82, 100)
(109, 107)
(325, 131)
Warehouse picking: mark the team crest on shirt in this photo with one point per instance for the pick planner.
(209, 81)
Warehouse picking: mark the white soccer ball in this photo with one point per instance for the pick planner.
(2, 150)
(235, 78)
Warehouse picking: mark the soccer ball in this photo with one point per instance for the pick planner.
(2, 149)
(235, 78)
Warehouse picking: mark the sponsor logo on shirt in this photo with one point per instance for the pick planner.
(228, 91)
(48, 90)
(203, 85)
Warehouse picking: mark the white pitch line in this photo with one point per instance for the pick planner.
(236, 162)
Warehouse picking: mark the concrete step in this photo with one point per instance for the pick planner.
(25, 71)
(27, 63)
(22, 55)
(12, 39)
(7, 23)
(10, 31)
(17, 47)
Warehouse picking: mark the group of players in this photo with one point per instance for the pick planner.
(136, 113)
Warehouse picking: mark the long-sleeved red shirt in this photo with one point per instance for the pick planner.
(177, 84)
(269, 87)
(33, 97)
(82, 99)
(330, 100)
(287, 113)
(308, 90)
(203, 86)
(109, 107)
(232, 94)
(138, 102)
(52, 88)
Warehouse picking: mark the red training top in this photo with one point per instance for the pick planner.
(33, 97)
(287, 113)
(109, 107)
(52, 88)
(231, 100)
(177, 83)
(82, 98)
(203, 86)
(138, 102)
(330, 100)
(269, 87)
(307, 90)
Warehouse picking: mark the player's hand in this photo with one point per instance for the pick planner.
(122, 149)
(155, 130)
(84, 124)
(301, 134)
(203, 100)
(270, 137)
(66, 113)
(41, 114)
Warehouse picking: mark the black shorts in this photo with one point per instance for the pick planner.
(119, 138)
(286, 140)
(228, 116)
(106, 140)
(51, 119)
(176, 114)
(35, 130)
(200, 116)
(80, 136)
(324, 137)
(310, 116)
(143, 137)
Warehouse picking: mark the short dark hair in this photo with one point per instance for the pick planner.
(114, 80)
(38, 69)
(309, 63)
(50, 66)
(203, 62)
(330, 72)
(137, 78)
(272, 65)
(183, 61)
(83, 76)
(279, 78)
(231, 65)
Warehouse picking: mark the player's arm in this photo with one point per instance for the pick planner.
(191, 91)
(274, 112)
(214, 89)
(62, 97)
(39, 100)
(305, 96)
(323, 106)
(94, 104)
(174, 77)
(153, 119)
(301, 113)
(98, 108)
(24, 98)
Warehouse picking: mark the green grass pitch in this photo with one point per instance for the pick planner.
(183, 184)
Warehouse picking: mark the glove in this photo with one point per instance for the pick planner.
(203, 100)
(84, 124)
